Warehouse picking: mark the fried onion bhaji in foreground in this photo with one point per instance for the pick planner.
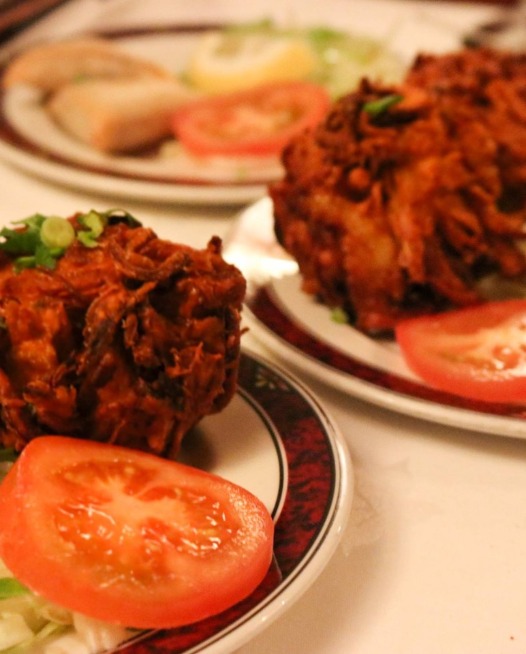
(131, 342)
(405, 196)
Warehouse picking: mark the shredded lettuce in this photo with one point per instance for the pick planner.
(13, 631)
(344, 58)
(25, 618)
(11, 587)
(88, 636)
(32, 641)
(29, 623)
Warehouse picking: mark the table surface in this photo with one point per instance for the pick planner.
(433, 559)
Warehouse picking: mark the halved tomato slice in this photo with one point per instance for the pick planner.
(258, 121)
(477, 352)
(129, 537)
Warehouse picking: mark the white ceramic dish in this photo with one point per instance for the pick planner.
(30, 140)
(297, 328)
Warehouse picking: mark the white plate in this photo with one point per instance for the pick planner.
(30, 140)
(301, 330)
(277, 441)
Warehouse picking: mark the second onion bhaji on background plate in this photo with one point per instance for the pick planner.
(132, 341)
(405, 196)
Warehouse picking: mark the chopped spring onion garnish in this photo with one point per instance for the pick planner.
(339, 315)
(41, 240)
(37, 242)
(377, 107)
(94, 224)
(57, 232)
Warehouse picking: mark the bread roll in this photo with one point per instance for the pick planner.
(50, 66)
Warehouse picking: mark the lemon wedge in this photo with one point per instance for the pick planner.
(224, 62)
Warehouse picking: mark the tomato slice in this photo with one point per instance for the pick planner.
(128, 537)
(258, 121)
(477, 352)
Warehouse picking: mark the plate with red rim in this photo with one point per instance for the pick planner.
(30, 140)
(295, 326)
(276, 440)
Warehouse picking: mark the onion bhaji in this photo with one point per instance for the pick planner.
(131, 342)
(405, 196)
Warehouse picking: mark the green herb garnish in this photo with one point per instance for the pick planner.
(57, 233)
(8, 454)
(377, 107)
(339, 315)
(41, 240)
(35, 242)
(94, 224)
(24, 239)
(11, 587)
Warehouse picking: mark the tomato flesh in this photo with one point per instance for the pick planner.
(128, 537)
(259, 121)
(478, 352)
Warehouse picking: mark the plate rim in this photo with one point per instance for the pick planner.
(120, 187)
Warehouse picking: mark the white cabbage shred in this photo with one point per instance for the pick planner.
(31, 625)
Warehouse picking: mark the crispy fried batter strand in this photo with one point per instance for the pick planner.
(400, 212)
(131, 342)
